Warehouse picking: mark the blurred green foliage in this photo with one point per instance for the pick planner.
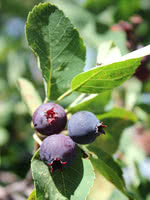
(94, 19)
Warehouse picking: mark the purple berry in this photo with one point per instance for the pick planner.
(58, 151)
(49, 118)
(84, 127)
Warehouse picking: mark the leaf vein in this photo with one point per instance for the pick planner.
(63, 48)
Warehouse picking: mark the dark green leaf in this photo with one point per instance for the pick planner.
(72, 183)
(97, 6)
(145, 107)
(58, 46)
(127, 11)
(105, 164)
(81, 20)
(116, 120)
(84, 20)
(6, 108)
(107, 77)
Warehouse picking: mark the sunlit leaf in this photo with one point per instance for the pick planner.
(29, 94)
(107, 77)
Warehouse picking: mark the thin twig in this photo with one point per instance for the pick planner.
(37, 139)
(64, 95)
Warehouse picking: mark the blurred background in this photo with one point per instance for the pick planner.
(127, 24)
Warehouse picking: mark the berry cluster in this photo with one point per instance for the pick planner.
(58, 150)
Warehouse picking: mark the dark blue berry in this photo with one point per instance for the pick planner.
(58, 151)
(49, 118)
(84, 127)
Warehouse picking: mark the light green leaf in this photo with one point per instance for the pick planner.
(4, 136)
(72, 183)
(29, 95)
(58, 46)
(116, 194)
(145, 51)
(116, 120)
(105, 164)
(119, 39)
(107, 77)
(108, 51)
(133, 92)
(94, 103)
(16, 63)
(32, 196)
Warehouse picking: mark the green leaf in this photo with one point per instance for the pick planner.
(29, 95)
(84, 21)
(94, 103)
(58, 46)
(81, 20)
(119, 38)
(116, 120)
(4, 136)
(133, 92)
(6, 109)
(72, 183)
(128, 11)
(32, 196)
(16, 63)
(108, 51)
(116, 194)
(97, 6)
(145, 107)
(105, 164)
(103, 78)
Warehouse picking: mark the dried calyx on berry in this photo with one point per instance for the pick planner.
(58, 151)
(99, 128)
(49, 118)
(84, 127)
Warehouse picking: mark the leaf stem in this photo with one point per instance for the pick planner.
(64, 95)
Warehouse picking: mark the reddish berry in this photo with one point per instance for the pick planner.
(58, 151)
(49, 118)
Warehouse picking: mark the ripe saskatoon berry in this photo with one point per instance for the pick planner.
(49, 118)
(58, 151)
(84, 127)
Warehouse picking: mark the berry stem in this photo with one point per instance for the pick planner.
(37, 139)
(76, 101)
(46, 100)
(68, 92)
